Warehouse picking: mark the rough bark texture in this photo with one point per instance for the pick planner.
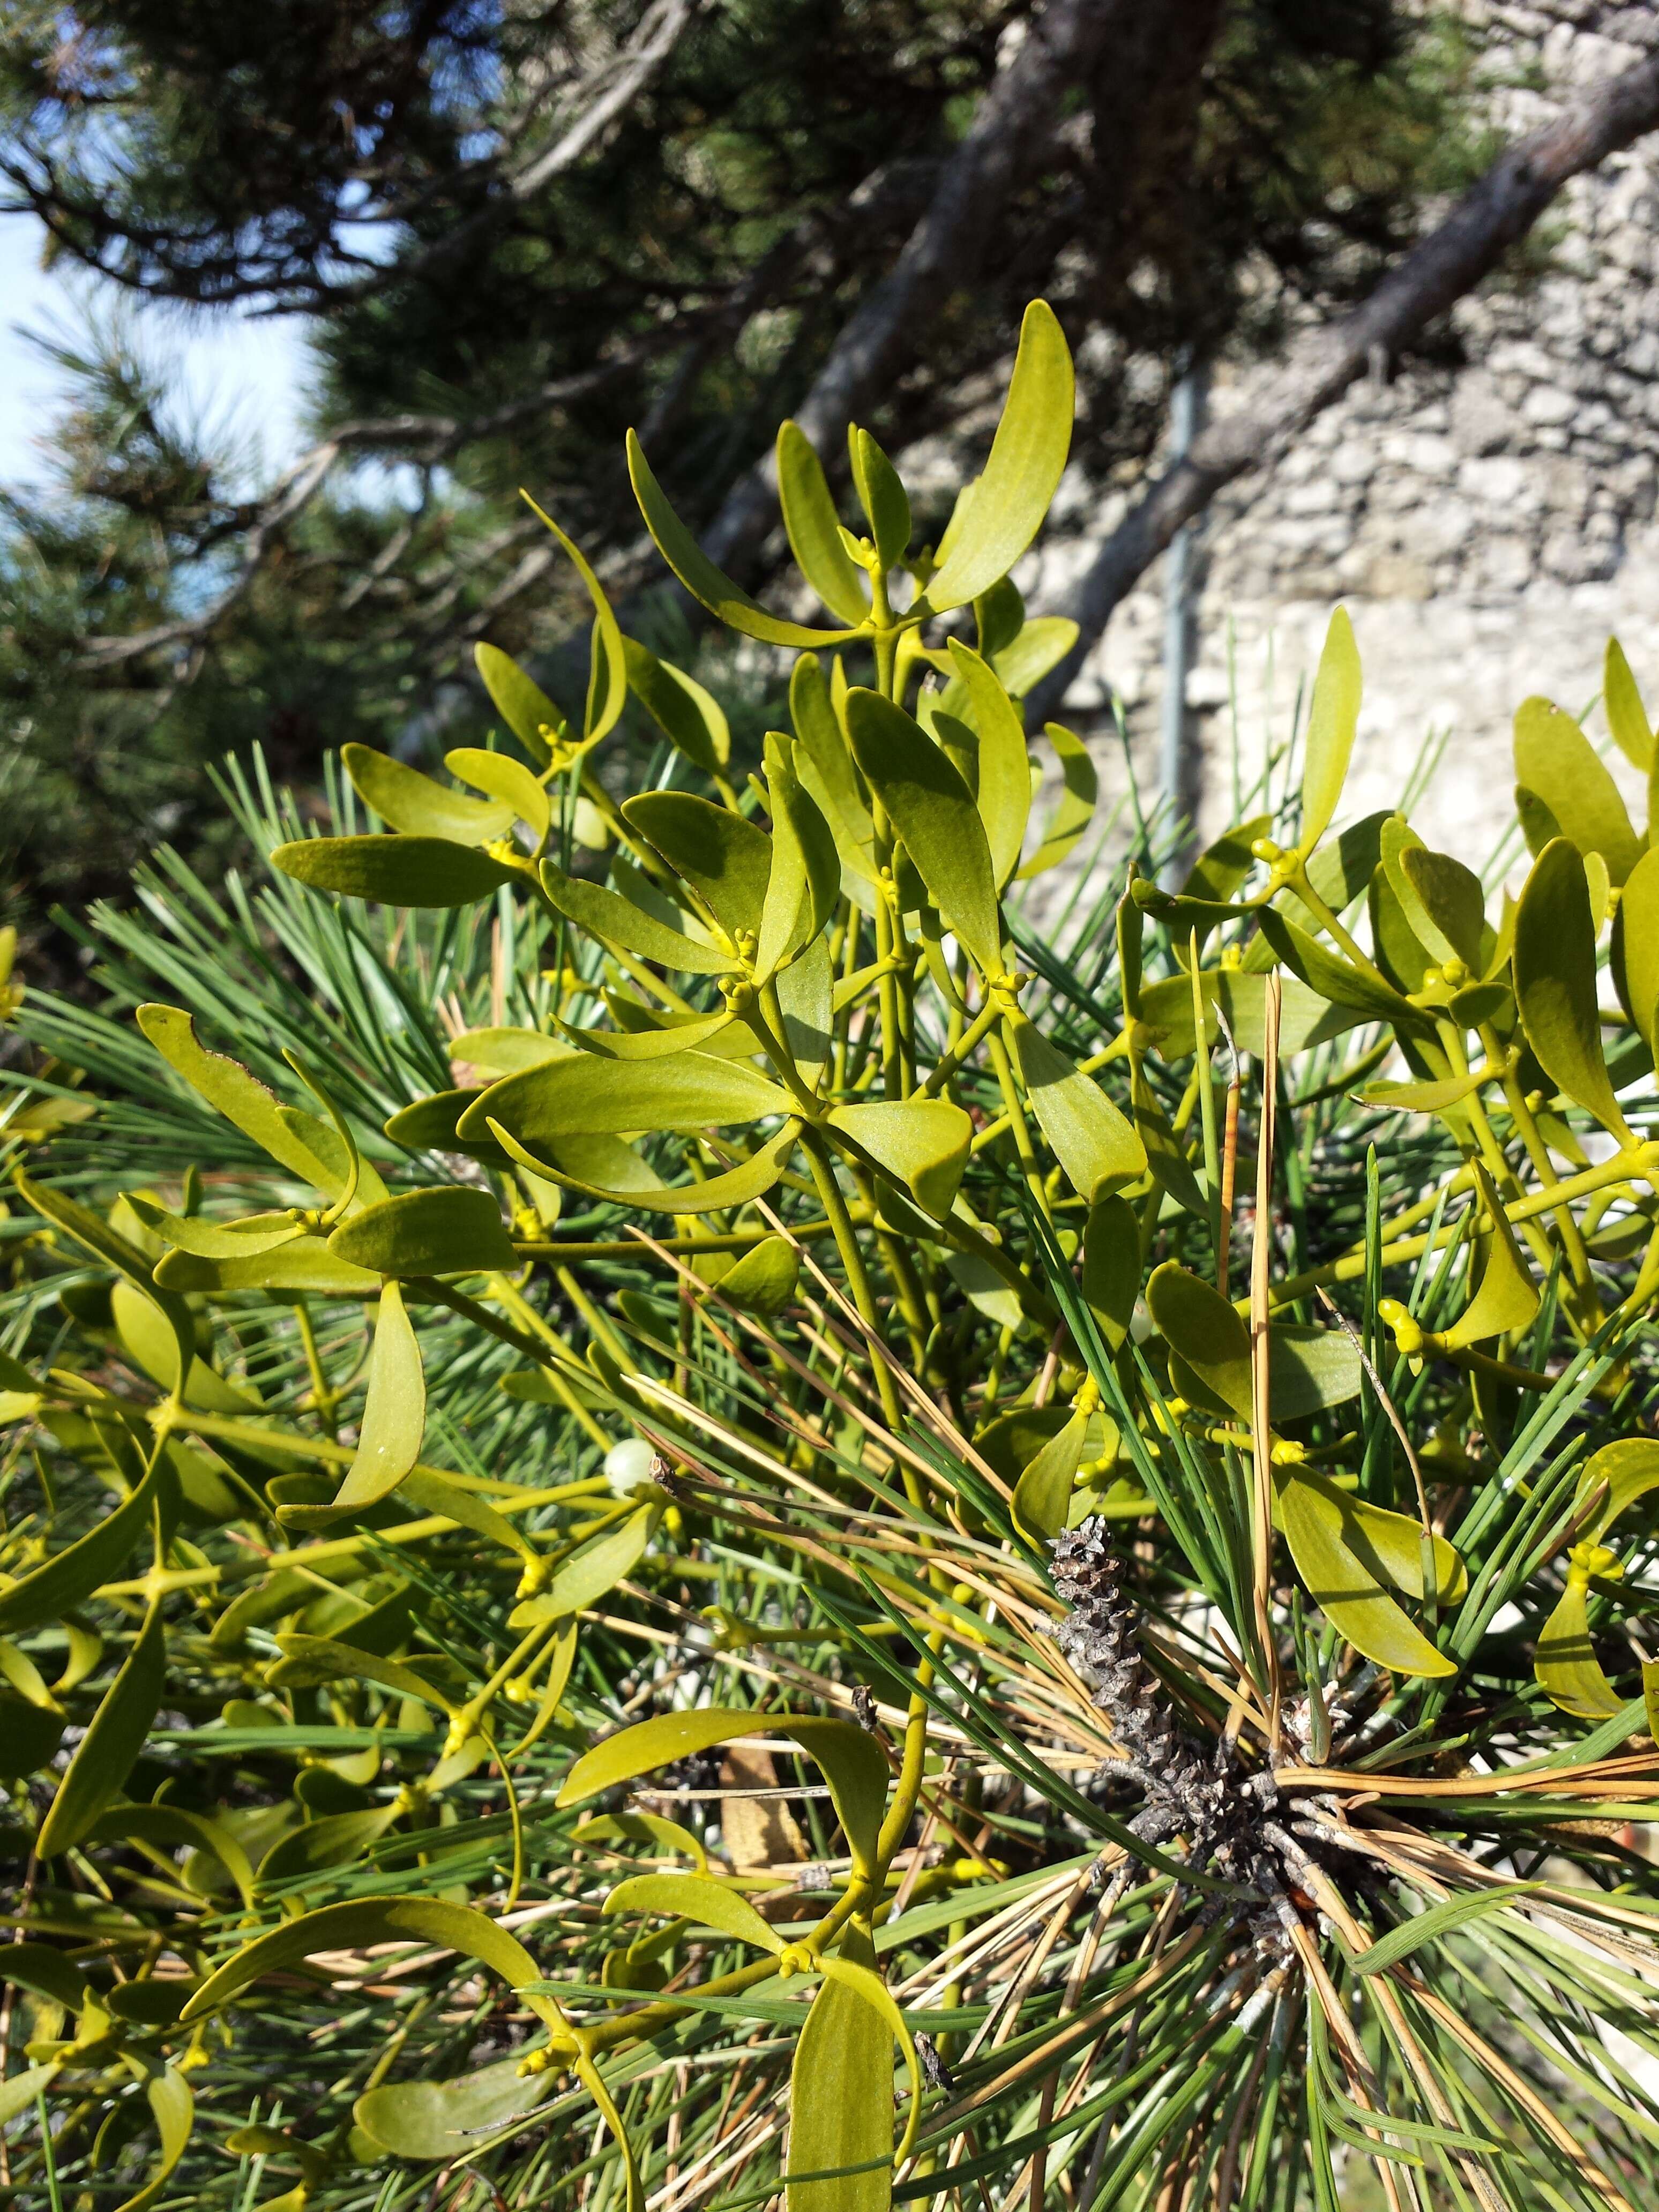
(1489, 219)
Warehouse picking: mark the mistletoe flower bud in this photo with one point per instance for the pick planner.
(1408, 1334)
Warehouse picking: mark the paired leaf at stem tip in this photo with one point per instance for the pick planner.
(931, 808)
(814, 529)
(996, 521)
(1332, 718)
(394, 1417)
(1555, 981)
(851, 1761)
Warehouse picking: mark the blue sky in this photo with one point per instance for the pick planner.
(252, 372)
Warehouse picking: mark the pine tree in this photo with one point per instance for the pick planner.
(517, 231)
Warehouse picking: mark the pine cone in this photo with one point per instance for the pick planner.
(1185, 1792)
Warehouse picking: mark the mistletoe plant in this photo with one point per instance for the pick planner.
(700, 1512)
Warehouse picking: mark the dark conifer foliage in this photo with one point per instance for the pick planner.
(516, 231)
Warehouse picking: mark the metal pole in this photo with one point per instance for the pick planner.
(1186, 421)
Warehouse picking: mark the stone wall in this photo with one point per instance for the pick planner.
(1486, 526)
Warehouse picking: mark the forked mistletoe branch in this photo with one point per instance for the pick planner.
(421, 1579)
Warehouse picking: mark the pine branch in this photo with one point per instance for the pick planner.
(81, 226)
(1012, 133)
(432, 439)
(603, 96)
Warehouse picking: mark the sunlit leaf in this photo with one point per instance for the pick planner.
(393, 870)
(217, 1240)
(357, 1925)
(1205, 1330)
(1094, 1143)
(763, 1280)
(412, 803)
(1443, 902)
(1005, 510)
(1557, 762)
(881, 495)
(1112, 1268)
(688, 716)
(572, 1166)
(1389, 1545)
(1568, 1671)
(90, 1231)
(1555, 981)
(726, 858)
(394, 1423)
(506, 780)
(1505, 1297)
(805, 878)
(806, 1001)
(1335, 980)
(1330, 1550)
(697, 1035)
(605, 913)
(1634, 952)
(1339, 871)
(690, 1896)
(932, 809)
(18, 2093)
(1311, 1369)
(1038, 649)
(840, 2108)
(702, 577)
(586, 1096)
(173, 2106)
(1004, 797)
(1622, 702)
(443, 2120)
(148, 1336)
(922, 1142)
(1422, 1098)
(426, 1492)
(506, 1051)
(522, 705)
(306, 1264)
(814, 529)
(607, 685)
(447, 1229)
(1628, 1467)
(1167, 1164)
(589, 1573)
(851, 1761)
(825, 766)
(1332, 718)
(1043, 1493)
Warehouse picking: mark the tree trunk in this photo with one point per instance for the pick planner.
(1065, 47)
